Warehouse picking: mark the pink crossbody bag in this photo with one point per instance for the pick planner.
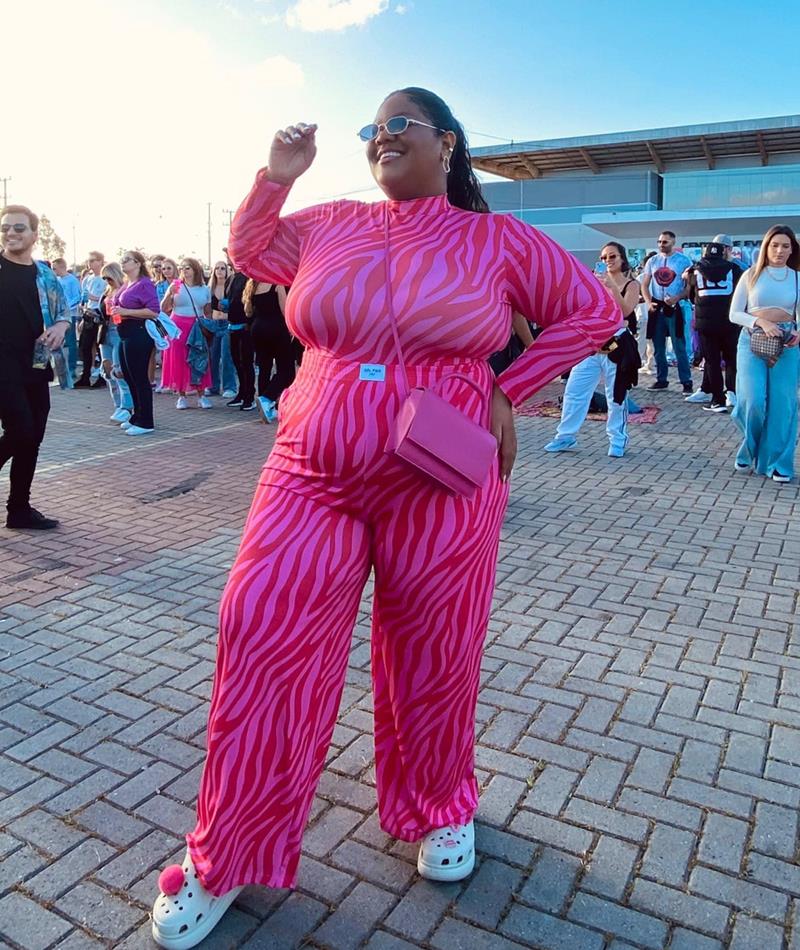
(432, 435)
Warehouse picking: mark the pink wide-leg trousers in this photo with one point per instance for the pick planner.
(331, 506)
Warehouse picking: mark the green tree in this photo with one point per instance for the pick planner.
(52, 246)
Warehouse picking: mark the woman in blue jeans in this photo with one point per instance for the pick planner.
(584, 377)
(220, 346)
(109, 349)
(766, 396)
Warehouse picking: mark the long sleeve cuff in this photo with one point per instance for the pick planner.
(256, 219)
(743, 319)
(557, 349)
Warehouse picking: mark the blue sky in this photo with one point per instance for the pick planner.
(538, 70)
(186, 95)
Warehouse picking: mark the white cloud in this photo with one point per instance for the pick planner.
(274, 71)
(231, 10)
(316, 16)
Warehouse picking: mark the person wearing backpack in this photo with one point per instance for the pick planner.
(712, 281)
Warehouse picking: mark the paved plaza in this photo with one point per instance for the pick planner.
(638, 727)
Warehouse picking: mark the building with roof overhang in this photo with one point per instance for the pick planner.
(696, 180)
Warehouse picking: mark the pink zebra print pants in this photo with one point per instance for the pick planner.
(331, 506)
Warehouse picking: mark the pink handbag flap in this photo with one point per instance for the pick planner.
(440, 440)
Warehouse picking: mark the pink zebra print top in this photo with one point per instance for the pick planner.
(457, 278)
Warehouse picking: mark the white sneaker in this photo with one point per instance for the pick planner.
(125, 426)
(182, 403)
(187, 912)
(448, 854)
(137, 430)
(268, 411)
(730, 399)
(120, 415)
(699, 397)
(228, 394)
(205, 403)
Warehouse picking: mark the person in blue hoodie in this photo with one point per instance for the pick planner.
(34, 319)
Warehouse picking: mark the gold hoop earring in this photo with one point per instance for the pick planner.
(446, 163)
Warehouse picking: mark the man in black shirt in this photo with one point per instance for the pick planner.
(712, 281)
(25, 371)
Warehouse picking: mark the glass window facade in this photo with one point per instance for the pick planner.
(565, 199)
(733, 188)
(573, 215)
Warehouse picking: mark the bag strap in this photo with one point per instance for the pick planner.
(390, 301)
(194, 305)
(393, 321)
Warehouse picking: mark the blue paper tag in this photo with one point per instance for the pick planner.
(372, 371)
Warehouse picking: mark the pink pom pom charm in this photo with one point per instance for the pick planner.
(171, 879)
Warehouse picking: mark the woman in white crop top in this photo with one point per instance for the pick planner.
(766, 396)
(188, 299)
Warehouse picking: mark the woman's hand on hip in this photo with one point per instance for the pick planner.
(503, 430)
(770, 329)
(292, 152)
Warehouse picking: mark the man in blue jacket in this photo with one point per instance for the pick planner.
(34, 319)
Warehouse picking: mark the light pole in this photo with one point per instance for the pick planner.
(230, 216)
(5, 182)
(208, 206)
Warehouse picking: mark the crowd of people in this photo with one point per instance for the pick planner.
(133, 327)
(147, 325)
(228, 337)
(394, 452)
(156, 325)
(671, 301)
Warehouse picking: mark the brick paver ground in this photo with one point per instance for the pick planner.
(639, 722)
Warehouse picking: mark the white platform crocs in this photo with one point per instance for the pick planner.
(184, 912)
(448, 854)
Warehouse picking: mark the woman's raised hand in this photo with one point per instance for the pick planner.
(292, 152)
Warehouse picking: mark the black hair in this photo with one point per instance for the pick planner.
(626, 264)
(669, 234)
(463, 188)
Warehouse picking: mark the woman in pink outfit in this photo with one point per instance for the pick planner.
(188, 299)
(332, 504)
